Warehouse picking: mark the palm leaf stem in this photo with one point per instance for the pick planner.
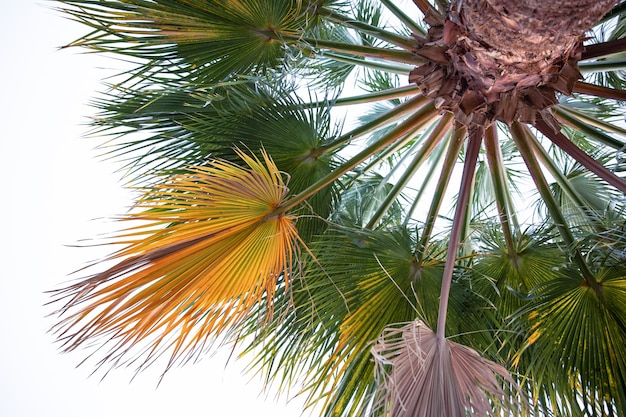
(417, 120)
(454, 148)
(392, 38)
(429, 144)
(442, 5)
(599, 91)
(400, 165)
(404, 154)
(399, 111)
(513, 218)
(396, 68)
(424, 6)
(466, 220)
(394, 55)
(467, 180)
(435, 160)
(600, 49)
(569, 119)
(578, 118)
(564, 182)
(408, 22)
(388, 94)
(394, 148)
(500, 189)
(602, 66)
(521, 136)
(579, 155)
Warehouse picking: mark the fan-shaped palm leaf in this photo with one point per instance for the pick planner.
(211, 40)
(506, 278)
(569, 316)
(355, 274)
(434, 377)
(212, 246)
(196, 125)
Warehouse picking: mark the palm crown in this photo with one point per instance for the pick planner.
(325, 242)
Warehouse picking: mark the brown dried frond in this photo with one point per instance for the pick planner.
(423, 375)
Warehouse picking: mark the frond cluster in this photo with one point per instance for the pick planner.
(322, 178)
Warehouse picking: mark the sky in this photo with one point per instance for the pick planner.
(56, 192)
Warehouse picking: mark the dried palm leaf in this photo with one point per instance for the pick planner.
(424, 375)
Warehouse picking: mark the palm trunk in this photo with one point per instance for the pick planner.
(526, 36)
(505, 60)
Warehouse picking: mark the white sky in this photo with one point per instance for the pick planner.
(53, 187)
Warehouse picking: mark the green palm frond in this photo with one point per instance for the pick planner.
(568, 316)
(209, 41)
(507, 278)
(355, 273)
(332, 297)
(193, 127)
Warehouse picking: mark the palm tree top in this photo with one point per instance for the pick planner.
(333, 182)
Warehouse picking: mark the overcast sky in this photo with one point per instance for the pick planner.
(56, 192)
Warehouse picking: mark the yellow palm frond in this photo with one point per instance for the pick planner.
(212, 244)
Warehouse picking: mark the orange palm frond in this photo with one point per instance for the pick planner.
(211, 246)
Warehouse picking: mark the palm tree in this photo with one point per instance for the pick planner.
(294, 160)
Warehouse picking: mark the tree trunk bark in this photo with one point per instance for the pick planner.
(505, 59)
(527, 35)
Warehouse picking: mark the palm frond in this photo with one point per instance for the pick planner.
(188, 127)
(507, 279)
(569, 316)
(212, 246)
(355, 273)
(434, 377)
(210, 40)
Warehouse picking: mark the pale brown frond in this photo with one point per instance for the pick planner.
(423, 375)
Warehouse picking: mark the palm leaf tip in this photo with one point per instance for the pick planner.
(213, 244)
(423, 375)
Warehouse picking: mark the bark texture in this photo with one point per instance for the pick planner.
(528, 34)
(505, 59)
